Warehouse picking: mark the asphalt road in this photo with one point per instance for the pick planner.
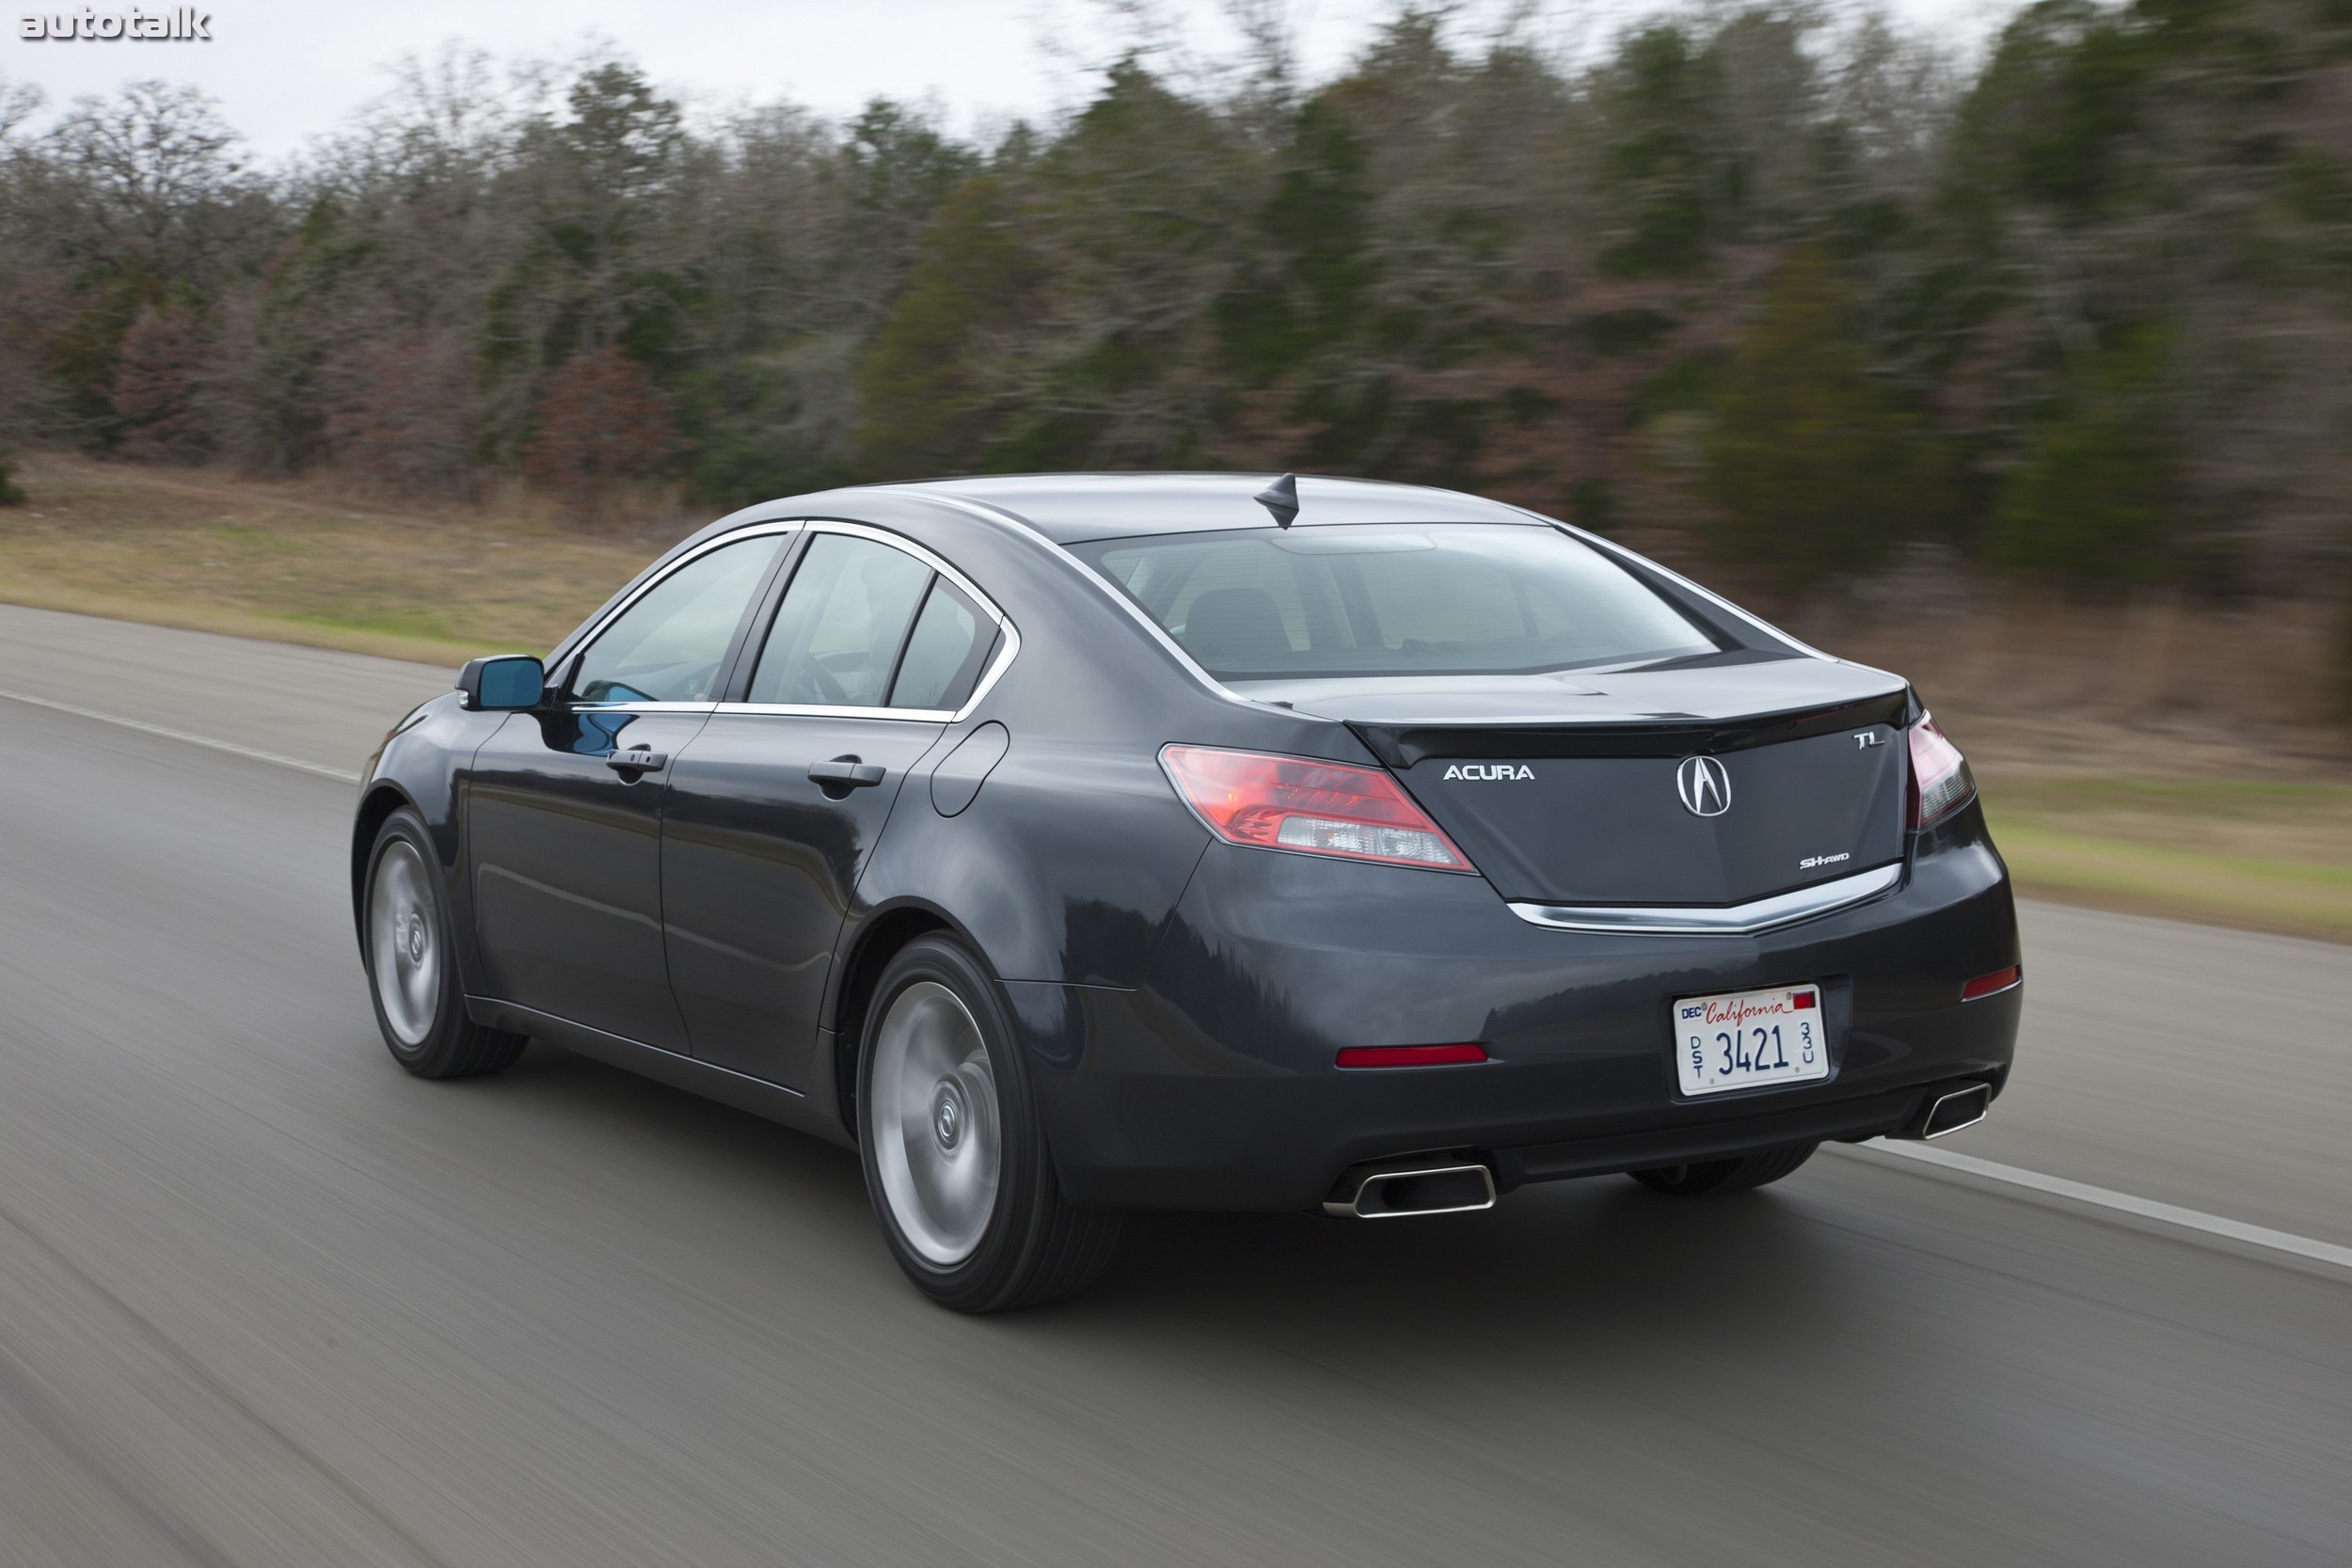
(265, 1300)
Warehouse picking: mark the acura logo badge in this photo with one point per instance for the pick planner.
(1704, 786)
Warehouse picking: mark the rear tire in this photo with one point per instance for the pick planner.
(953, 1146)
(1725, 1176)
(412, 962)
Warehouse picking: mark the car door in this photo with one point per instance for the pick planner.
(774, 807)
(561, 811)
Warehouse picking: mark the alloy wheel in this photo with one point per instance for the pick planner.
(403, 943)
(935, 1123)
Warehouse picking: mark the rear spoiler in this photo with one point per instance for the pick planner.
(1666, 734)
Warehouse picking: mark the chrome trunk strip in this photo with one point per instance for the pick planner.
(1735, 920)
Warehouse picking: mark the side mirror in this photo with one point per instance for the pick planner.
(507, 681)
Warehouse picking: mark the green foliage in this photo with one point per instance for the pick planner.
(1669, 182)
(927, 394)
(894, 169)
(2072, 84)
(1309, 290)
(1367, 295)
(81, 360)
(1055, 314)
(591, 277)
(2098, 493)
(11, 493)
(1818, 466)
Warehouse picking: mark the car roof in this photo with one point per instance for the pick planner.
(1072, 508)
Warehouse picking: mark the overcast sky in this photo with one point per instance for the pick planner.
(285, 70)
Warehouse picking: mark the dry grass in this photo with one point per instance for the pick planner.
(2263, 855)
(301, 563)
(2156, 755)
(2153, 757)
(2262, 678)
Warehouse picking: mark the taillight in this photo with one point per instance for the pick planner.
(1316, 808)
(1940, 779)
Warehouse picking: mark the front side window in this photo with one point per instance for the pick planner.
(1394, 599)
(837, 635)
(668, 646)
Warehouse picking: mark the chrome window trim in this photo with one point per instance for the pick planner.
(1110, 590)
(1735, 920)
(641, 707)
(820, 711)
(1005, 651)
(605, 621)
(900, 542)
(1608, 548)
(996, 668)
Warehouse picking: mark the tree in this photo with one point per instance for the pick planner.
(158, 387)
(1817, 465)
(2097, 496)
(157, 180)
(400, 412)
(125, 208)
(1089, 270)
(599, 423)
(930, 400)
(1768, 279)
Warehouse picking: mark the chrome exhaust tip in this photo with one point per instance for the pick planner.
(1949, 1112)
(1392, 1190)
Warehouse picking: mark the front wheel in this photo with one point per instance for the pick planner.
(954, 1148)
(412, 970)
(1725, 1176)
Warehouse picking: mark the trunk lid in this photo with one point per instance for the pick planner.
(1710, 785)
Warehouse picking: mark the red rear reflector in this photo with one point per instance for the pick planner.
(1986, 984)
(1310, 806)
(1409, 1056)
(1802, 1000)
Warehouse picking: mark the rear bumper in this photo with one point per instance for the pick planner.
(1836, 1121)
(1212, 1086)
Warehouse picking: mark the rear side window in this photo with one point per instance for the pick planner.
(1394, 599)
(838, 634)
(667, 646)
(943, 657)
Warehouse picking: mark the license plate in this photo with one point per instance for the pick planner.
(1742, 1039)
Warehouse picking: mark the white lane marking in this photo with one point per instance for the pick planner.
(252, 752)
(2125, 1203)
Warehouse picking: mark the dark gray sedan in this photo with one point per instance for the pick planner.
(1077, 844)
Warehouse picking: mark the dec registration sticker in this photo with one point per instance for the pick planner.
(1743, 1039)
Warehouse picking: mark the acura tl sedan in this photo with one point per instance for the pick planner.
(1078, 844)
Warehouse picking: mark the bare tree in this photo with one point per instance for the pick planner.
(158, 177)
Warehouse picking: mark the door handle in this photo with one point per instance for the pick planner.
(637, 762)
(846, 774)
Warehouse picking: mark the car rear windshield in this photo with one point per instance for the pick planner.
(1394, 599)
